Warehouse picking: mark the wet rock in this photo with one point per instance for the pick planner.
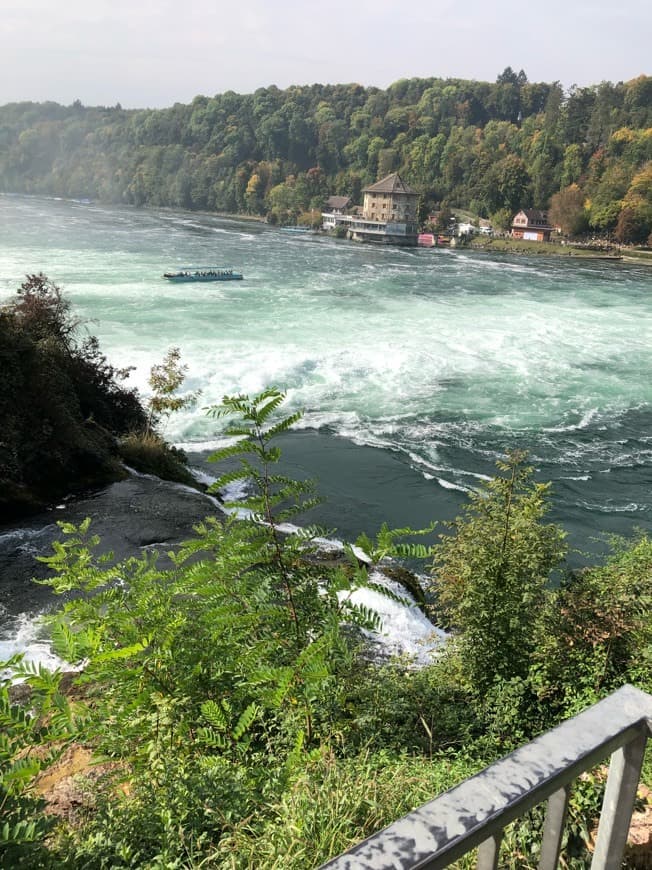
(141, 512)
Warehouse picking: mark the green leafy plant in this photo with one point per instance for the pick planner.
(596, 632)
(33, 734)
(244, 727)
(316, 604)
(491, 574)
(165, 379)
(388, 543)
(231, 664)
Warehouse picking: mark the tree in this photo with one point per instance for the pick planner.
(444, 218)
(61, 403)
(254, 193)
(165, 379)
(635, 221)
(567, 210)
(502, 219)
(44, 313)
(509, 77)
(513, 181)
(490, 576)
(596, 632)
(629, 229)
(572, 166)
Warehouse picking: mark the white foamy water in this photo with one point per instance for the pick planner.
(446, 358)
(357, 335)
(404, 630)
(26, 636)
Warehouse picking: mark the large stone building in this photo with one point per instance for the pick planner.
(389, 214)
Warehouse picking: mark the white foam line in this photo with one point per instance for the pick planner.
(446, 484)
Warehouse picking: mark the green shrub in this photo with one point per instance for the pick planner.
(214, 679)
(61, 403)
(32, 736)
(150, 454)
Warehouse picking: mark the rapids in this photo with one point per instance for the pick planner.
(416, 369)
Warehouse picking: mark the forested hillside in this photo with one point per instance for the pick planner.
(490, 147)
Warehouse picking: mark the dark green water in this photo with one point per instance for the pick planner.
(434, 362)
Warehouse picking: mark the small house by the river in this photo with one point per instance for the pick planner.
(532, 225)
(336, 212)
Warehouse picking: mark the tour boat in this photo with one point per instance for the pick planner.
(203, 273)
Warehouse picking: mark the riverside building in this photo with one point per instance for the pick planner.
(389, 214)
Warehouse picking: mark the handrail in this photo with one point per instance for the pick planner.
(475, 812)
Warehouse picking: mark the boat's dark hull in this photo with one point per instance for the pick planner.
(189, 279)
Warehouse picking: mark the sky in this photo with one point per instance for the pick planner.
(153, 53)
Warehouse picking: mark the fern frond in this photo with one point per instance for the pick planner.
(211, 737)
(283, 425)
(229, 477)
(413, 551)
(237, 449)
(245, 721)
(64, 643)
(266, 405)
(389, 593)
(215, 715)
(124, 652)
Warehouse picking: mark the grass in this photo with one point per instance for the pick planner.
(335, 803)
(150, 454)
(642, 255)
(524, 246)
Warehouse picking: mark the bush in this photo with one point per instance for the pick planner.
(61, 403)
(150, 454)
(490, 576)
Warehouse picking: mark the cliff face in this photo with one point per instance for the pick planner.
(61, 404)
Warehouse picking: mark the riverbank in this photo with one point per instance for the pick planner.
(138, 514)
(634, 255)
(545, 249)
(360, 487)
(145, 514)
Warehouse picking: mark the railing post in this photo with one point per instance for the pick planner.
(489, 852)
(473, 814)
(554, 828)
(618, 804)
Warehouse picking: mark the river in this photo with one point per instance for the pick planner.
(415, 369)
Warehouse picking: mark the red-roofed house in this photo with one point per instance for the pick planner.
(532, 225)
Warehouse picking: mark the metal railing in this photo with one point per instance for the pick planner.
(475, 813)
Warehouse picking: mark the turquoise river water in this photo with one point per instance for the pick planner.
(435, 362)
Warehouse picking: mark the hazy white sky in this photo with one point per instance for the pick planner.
(152, 53)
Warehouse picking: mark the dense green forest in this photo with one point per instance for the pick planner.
(489, 147)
